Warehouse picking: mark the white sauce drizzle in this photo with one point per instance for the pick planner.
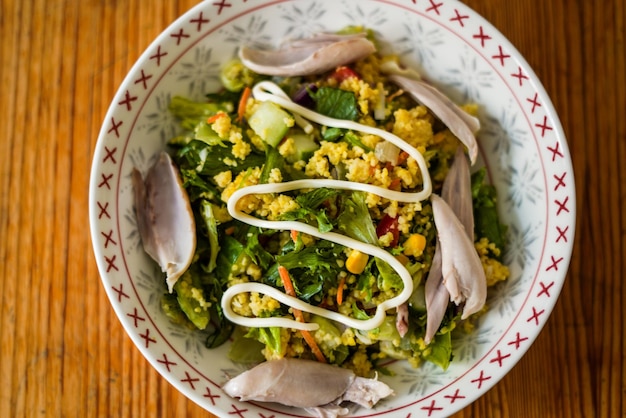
(268, 91)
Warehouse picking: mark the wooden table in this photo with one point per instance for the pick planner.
(63, 351)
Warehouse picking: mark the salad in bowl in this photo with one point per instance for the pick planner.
(321, 212)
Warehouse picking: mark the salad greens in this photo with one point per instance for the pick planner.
(230, 252)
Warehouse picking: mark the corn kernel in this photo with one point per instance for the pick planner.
(414, 245)
(356, 262)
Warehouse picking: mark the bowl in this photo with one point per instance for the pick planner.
(521, 143)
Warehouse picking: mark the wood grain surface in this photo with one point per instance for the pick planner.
(63, 351)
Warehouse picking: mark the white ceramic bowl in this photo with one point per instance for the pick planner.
(521, 143)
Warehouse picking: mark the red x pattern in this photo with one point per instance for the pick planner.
(562, 205)
(105, 181)
(520, 76)
(167, 363)
(190, 380)
(545, 289)
(535, 316)
(481, 379)
(434, 7)
(111, 263)
(453, 398)
(544, 126)
(560, 180)
(120, 292)
(432, 407)
(556, 151)
(535, 102)
(499, 358)
(108, 238)
(147, 338)
(115, 126)
(210, 396)
(237, 411)
(110, 155)
(103, 210)
(517, 341)
(501, 56)
(136, 317)
(221, 4)
(458, 17)
(481, 36)
(562, 233)
(158, 55)
(180, 35)
(128, 101)
(144, 79)
(200, 20)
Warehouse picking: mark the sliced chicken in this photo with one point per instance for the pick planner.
(309, 56)
(457, 192)
(317, 387)
(164, 218)
(460, 123)
(402, 319)
(437, 297)
(462, 270)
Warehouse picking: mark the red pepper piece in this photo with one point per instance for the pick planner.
(343, 73)
(388, 224)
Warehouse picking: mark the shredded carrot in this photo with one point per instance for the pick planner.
(314, 347)
(340, 287)
(284, 276)
(241, 110)
(215, 117)
(294, 235)
(402, 157)
(289, 289)
(395, 184)
(230, 230)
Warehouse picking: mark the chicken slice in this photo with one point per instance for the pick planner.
(460, 123)
(462, 270)
(308, 56)
(317, 387)
(164, 218)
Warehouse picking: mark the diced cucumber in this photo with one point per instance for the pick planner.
(270, 122)
(305, 146)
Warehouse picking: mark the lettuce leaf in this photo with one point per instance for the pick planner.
(439, 351)
(270, 336)
(336, 103)
(486, 220)
(355, 220)
(209, 160)
(309, 211)
(230, 253)
(254, 249)
(209, 229)
(388, 278)
(191, 112)
(273, 159)
(312, 268)
(192, 298)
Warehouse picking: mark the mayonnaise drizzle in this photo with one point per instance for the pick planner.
(268, 91)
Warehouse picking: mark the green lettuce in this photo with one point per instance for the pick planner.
(336, 103)
(486, 221)
(355, 220)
